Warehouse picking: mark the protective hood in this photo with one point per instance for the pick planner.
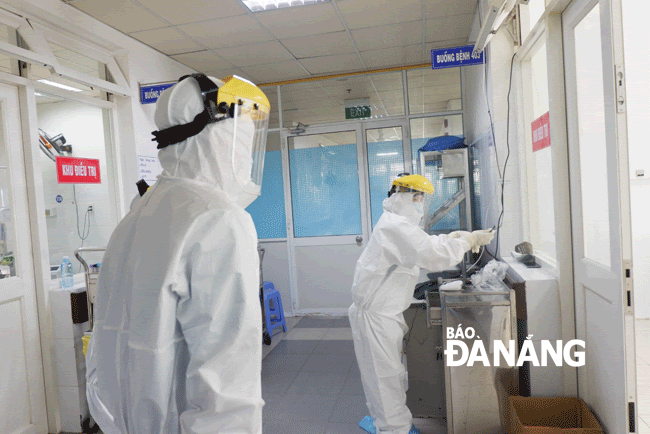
(209, 157)
(402, 204)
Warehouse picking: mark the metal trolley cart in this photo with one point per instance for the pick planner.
(92, 274)
(475, 394)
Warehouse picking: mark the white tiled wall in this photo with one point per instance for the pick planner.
(83, 127)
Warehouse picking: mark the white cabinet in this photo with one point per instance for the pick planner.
(544, 323)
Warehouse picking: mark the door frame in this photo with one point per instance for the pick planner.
(17, 160)
(292, 241)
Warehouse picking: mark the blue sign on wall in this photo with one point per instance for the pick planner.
(454, 57)
(149, 93)
(59, 198)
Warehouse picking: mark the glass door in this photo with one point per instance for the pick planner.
(22, 390)
(328, 215)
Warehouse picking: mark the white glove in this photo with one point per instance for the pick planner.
(475, 239)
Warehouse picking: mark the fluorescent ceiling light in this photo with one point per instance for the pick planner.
(265, 5)
(59, 85)
(385, 154)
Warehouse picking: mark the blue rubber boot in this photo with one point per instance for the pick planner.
(414, 430)
(368, 425)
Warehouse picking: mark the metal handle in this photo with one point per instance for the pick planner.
(86, 249)
(87, 276)
(359, 239)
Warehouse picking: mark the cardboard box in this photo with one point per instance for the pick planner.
(551, 416)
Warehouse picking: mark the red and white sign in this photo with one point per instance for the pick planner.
(77, 170)
(541, 133)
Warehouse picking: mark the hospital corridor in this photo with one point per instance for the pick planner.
(324, 217)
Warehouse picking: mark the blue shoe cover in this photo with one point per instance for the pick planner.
(368, 425)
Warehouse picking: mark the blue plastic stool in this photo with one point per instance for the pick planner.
(273, 295)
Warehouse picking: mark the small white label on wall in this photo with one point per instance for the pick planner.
(148, 168)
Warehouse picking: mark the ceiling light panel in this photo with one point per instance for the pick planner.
(267, 5)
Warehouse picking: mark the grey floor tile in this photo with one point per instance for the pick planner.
(278, 377)
(314, 322)
(334, 347)
(305, 408)
(272, 426)
(295, 347)
(271, 392)
(317, 383)
(352, 384)
(349, 408)
(329, 363)
(431, 426)
(355, 367)
(284, 362)
(342, 428)
(340, 322)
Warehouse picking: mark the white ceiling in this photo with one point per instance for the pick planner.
(223, 37)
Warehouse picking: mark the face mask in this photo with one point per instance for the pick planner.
(419, 207)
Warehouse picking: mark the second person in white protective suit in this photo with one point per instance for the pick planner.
(176, 344)
(384, 281)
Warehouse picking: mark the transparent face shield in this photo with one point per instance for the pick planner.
(249, 146)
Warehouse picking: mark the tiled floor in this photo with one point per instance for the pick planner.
(643, 374)
(311, 382)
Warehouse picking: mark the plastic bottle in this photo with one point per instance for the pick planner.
(67, 279)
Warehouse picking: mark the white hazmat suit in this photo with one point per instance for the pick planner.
(176, 345)
(384, 281)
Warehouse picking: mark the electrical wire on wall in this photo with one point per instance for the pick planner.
(505, 164)
(83, 233)
(496, 154)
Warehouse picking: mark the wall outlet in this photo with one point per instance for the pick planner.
(51, 212)
(91, 208)
(639, 174)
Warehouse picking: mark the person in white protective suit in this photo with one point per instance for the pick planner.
(176, 343)
(384, 282)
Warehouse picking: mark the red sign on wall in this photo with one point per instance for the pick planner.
(541, 132)
(77, 170)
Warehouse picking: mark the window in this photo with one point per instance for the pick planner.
(82, 214)
(539, 162)
(530, 15)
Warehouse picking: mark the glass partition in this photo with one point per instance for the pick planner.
(433, 91)
(327, 101)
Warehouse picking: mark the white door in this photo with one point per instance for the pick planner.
(600, 209)
(22, 389)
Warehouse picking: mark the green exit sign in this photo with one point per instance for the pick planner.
(357, 112)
